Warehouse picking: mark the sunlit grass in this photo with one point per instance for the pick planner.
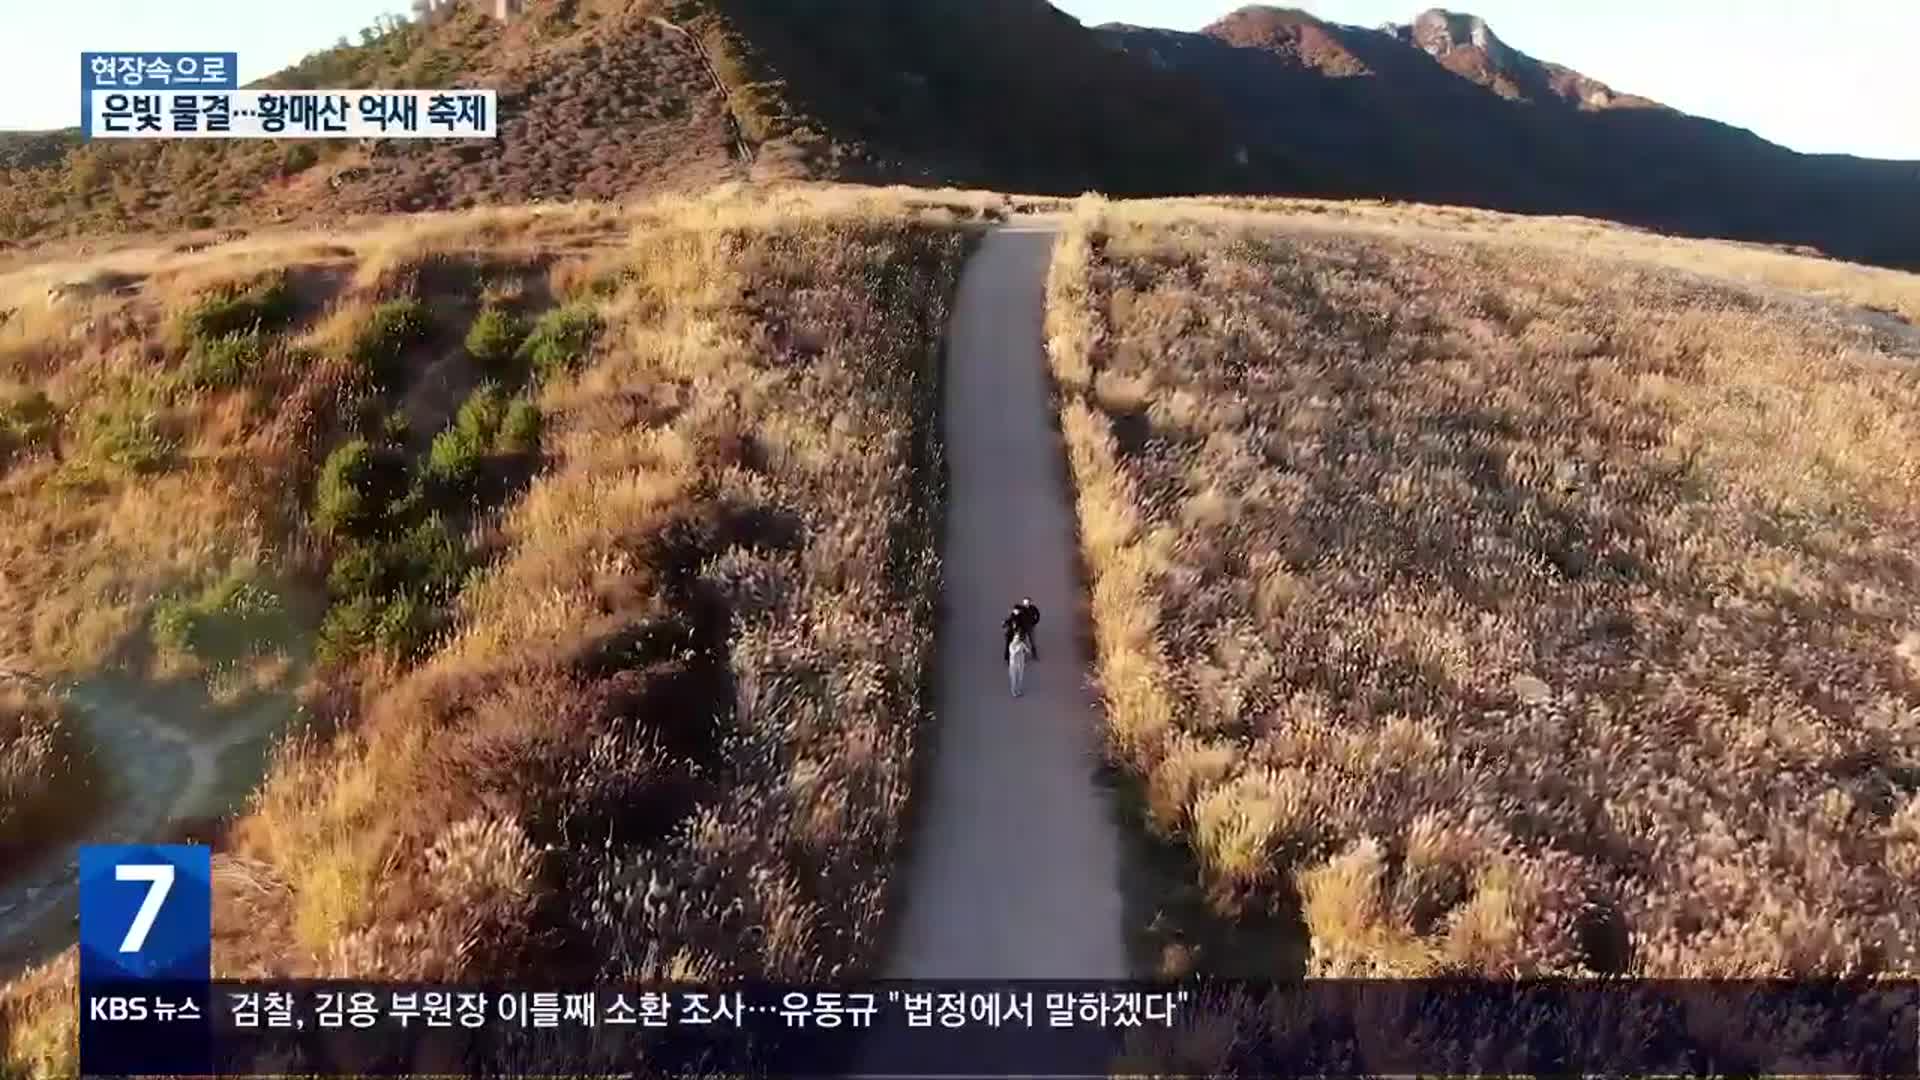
(1479, 583)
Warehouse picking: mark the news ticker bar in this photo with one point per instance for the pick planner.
(1323, 1028)
(291, 114)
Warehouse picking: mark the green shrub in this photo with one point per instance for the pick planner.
(478, 430)
(436, 69)
(400, 625)
(176, 624)
(358, 488)
(404, 627)
(608, 283)
(358, 570)
(494, 338)
(347, 631)
(396, 428)
(266, 304)
(339, 501)
(454, 461)
(429, 559)
(368, 413)
(30, 417)
(520, 430)
(425, 559)
(481, 415)
(133, 440)
(234, 617)
(560, 340)
(224, 361)
(298, 158)
(393, 327)
(27, 422)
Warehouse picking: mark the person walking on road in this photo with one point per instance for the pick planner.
(1023, 620)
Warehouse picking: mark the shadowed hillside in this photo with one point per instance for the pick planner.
(1011, 94)
(1442, 110)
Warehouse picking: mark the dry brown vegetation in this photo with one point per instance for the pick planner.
(161, 417)
(40, 1019)
(1505, 598)
(665, 716)
(1778, 270)
(46, 775)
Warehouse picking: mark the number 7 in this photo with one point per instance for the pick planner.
(159, 877)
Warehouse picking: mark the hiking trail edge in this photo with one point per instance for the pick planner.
(1014, 869)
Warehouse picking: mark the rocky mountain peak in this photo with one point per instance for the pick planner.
(1440, 33)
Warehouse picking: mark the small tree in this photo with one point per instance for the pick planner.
(520, 431)
(298, 158)
(493, 339)
(389, 331)
(454, 460)
(224, 361)
(358, 486)
(560, 341)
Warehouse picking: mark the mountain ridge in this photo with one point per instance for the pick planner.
(618, 98)
(1440, 109)
(1484, 58)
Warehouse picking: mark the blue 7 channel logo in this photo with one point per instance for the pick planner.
(146, 913)
(146, 959)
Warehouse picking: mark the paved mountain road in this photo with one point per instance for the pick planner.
(1016, 860)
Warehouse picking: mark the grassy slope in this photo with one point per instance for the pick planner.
(135, 481)
(691, 653)
(1509, 609)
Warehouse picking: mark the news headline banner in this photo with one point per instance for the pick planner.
(1058, 1029)
(195, 71)
(292, 114)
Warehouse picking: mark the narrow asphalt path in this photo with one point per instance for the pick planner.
(1015, 869)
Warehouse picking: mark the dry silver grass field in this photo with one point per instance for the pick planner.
(670, 726)
(1514, 597)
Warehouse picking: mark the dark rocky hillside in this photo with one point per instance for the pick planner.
(1008, 94)
(1442, 110)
